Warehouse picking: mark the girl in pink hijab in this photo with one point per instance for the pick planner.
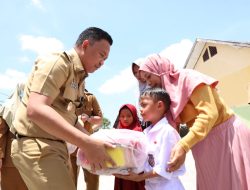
(219, 140)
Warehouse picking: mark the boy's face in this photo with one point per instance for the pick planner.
(149, 109)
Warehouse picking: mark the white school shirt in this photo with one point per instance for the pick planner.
(162, 137)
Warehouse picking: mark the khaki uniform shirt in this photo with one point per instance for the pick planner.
(59, 76)
(3, 137)
(90, 107)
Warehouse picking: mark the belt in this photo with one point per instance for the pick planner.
(18, 136)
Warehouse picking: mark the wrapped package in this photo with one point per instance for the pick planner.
(130, 151)
(71, 147)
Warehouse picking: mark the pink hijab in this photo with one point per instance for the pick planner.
(136, 126)
(178, 83)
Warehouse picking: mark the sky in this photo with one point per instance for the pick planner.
(30, 28)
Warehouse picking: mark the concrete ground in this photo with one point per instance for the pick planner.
(107, 182)
(188, 180)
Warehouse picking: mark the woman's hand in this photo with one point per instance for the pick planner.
(177, 158)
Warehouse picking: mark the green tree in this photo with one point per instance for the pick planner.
(105, 123)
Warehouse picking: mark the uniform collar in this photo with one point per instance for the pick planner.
(157, 126)
(74, 58)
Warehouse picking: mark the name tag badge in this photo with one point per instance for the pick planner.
(74, 85)
(70, 106)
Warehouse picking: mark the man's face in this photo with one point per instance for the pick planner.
(94, 54)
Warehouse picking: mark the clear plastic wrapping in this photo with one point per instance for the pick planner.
(130, 152)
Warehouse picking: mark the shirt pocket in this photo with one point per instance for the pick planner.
(70, 95)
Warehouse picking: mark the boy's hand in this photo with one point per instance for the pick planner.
(131, 176)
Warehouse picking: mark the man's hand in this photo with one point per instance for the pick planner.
(96, 154)
(177, 158)
(84, 117)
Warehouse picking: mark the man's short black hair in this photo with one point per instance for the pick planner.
(93, 34)
(158, 94)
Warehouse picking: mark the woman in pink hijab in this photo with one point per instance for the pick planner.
(219, 140)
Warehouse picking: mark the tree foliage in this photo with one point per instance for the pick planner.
(106, 123)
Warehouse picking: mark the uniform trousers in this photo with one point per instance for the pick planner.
(10, 177)
(91, 180)
(42, 163)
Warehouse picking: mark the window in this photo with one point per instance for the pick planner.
(205, 56)
(209, 52)
(212, 50)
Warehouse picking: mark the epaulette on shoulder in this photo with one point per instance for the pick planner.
(88, 93)
(67, 57)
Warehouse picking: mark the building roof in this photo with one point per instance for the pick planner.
(199, 45)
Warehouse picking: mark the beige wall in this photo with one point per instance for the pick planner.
(248, 90)
(234, 88)
(231, 66)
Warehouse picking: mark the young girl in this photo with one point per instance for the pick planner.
(162, 138)
(128, 119)
(135, 70)
(142, 85)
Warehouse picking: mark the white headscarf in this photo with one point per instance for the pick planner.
(142, 86)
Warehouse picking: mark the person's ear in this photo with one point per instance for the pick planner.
(85, 44)
(159, 104)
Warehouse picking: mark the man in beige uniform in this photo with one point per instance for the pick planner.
(91, 115)
(46, 117)
(10, 177)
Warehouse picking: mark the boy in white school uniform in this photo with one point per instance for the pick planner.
(154, 104)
